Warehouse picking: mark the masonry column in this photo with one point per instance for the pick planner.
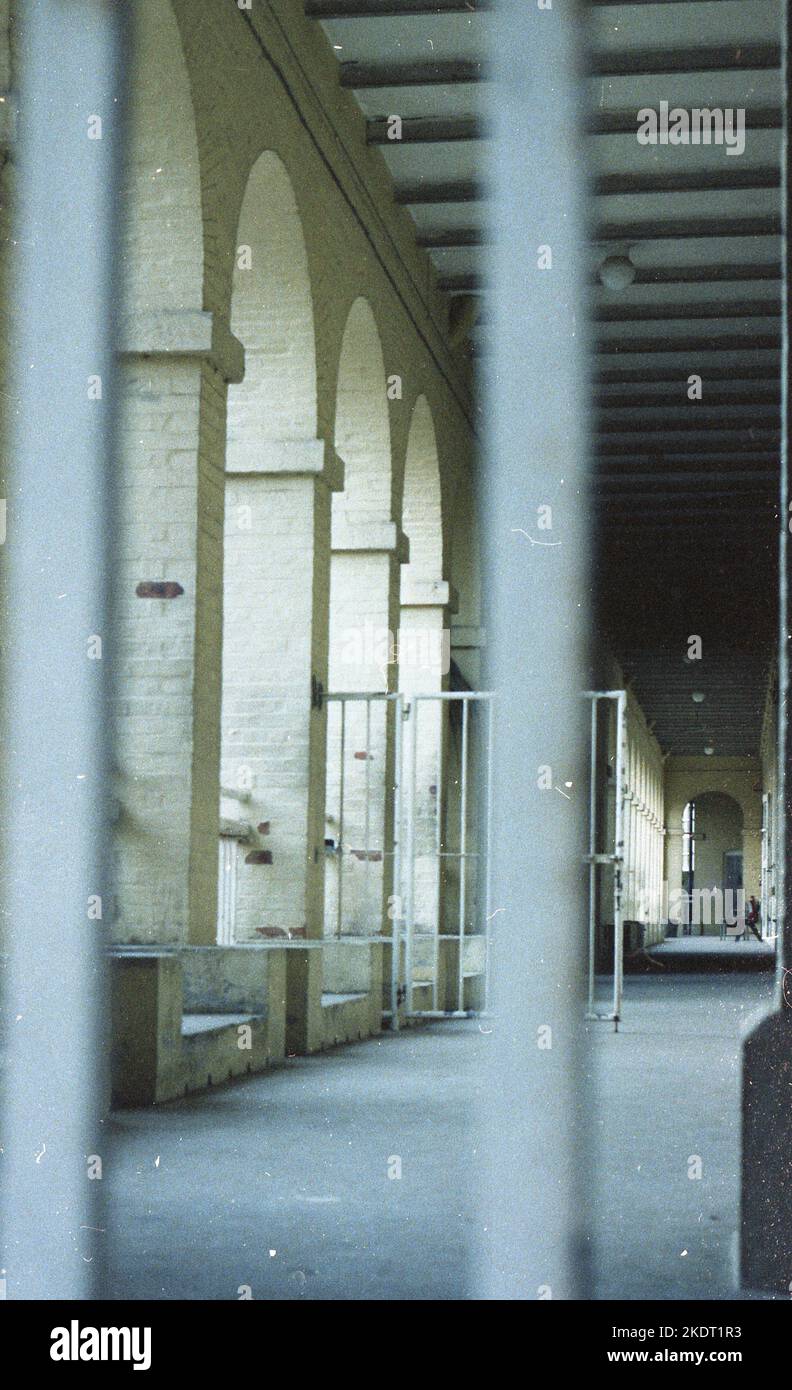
(174, 371)
(364, 609)
(275, 642)
(424, 664)
(274, 675)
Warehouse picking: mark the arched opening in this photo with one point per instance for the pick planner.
(272, 315)
(362, 427)
(277, 521)
(363, 618)
(162, 229)
(712, 865)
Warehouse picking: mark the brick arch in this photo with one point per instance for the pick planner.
(362, 427)
(272, 315)
(696, 792)
(162, 247)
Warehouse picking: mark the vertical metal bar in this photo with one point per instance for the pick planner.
(341, 847)
(533, 1116)
(396, 904)
(367, 815)
(437, 708)
(463, 859)
(233, 855)
(592, 847)
(410, 837)
(618, 920)
(766, 1215)
(488, 841)
(55, 734)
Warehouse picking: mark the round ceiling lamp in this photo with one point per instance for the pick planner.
(617, 272)
(698, 697)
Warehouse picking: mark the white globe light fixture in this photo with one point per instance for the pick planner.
(617, 272)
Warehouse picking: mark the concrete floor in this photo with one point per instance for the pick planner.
(668, 1088)
(280, 1182)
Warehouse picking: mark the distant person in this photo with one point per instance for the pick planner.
(752, 916)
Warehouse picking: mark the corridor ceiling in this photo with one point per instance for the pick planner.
(685, 491)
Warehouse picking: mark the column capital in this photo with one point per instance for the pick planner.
(293, 457)
(371, 536)
(427, 593)
(180, 334)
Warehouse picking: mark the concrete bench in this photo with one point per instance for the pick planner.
(186, 1017)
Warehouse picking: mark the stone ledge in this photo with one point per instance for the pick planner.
(183, 334)
(426, 593)
(369, 536)
(214, 1023)
(289, 457)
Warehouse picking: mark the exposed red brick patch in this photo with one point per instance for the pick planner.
(158, 588)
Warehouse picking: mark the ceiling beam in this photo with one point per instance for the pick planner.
(674, 229)
(682, 228)
(681, 492)
(426, 73)
(638, 62)
(625, 376)
(679, 312)
(442, 239)
(620, 4)
(389, 9)
(759, 396)
(729, 309)
(765, 178)
(425, 130)
(625, 122)
(737, 342)
(463, 191)
(686, 181)
(648, 62)
(684, 479)
(678, 450)
(703, 274)
(676, 425)
(684, 420)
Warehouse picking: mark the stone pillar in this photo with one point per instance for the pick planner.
(174, 371)
(364, 613)
(275, 639)
(275, 642)
(424, 663)
(672, 861)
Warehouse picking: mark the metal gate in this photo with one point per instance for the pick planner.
(611, 855)
(407, 841)
(442, 831)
